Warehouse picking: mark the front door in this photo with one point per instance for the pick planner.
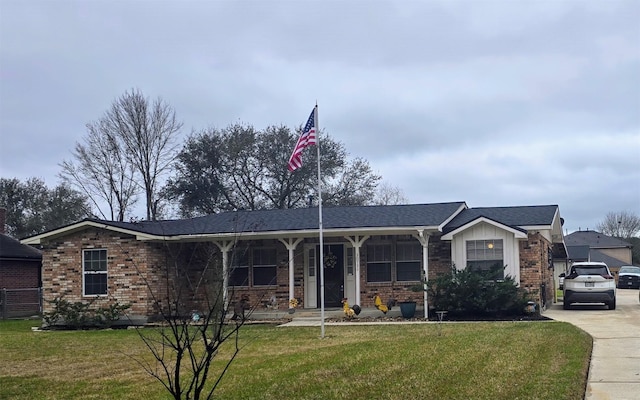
(333, 275)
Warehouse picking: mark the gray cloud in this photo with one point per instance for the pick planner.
(494, 103)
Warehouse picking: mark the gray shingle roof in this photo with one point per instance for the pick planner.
(578, 253)
(594, 239)
(514, 217)
(299, 219)
(599, 256)
(11, 248)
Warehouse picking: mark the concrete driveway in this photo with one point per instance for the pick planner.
(615, 363)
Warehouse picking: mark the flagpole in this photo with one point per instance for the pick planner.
(317, 126)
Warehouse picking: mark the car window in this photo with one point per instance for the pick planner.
(595, 270)
(633, 270)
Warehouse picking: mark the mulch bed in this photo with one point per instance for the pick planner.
(513, 318)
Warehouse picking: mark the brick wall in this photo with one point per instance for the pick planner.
(534, 271)
(19, 274)
(130, 267)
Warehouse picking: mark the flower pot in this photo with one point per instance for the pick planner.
(408, 309)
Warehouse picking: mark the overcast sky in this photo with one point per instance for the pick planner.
(496, 103)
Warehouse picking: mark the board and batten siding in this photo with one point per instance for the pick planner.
(485, 231)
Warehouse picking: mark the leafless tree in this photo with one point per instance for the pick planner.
(192, 313)
(100, 170)
(147, 132)
(389, 195)
(126, 152)
(622, 224)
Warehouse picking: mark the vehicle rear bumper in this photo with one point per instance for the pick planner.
(628, 282)
(571, 296)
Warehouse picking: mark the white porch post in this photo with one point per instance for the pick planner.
(357, 242)
(225, 246)
(291, 245)
(423, 238)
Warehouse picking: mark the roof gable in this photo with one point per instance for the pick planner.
(514, 217)
(516, 231)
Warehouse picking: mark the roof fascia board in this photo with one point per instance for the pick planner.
(307, 233)
(85, 224)
(518, 234)
(460, 209)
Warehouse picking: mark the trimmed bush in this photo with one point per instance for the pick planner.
(477, 293)
(80, 315)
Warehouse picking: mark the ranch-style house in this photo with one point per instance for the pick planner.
(272, 256)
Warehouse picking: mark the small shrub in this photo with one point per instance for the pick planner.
(80, 315)
(476, 293)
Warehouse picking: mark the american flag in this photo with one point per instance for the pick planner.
(307, 138)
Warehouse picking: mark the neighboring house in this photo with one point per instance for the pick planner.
(595, 246)
(20, 267)
(275, 253)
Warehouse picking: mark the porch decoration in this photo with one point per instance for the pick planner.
(330, 260)
(293, 303)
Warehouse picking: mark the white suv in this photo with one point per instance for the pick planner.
(589, 282)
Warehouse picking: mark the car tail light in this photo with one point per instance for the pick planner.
(607, 276)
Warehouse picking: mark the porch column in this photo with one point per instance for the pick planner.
(423, 238)
(291, 244)
(225, 246)
(357, 242)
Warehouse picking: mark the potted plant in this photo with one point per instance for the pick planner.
(408, 308)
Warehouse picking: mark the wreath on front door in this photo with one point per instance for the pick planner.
(330, 260)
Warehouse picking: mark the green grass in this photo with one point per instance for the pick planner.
(538, 360)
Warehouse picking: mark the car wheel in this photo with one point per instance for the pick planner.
(612, 305)
(566, 305)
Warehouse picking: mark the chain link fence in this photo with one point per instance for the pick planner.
(18, 303)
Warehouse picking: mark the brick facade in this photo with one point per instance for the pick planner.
(535, 276)
(129, 264)
(138, 270)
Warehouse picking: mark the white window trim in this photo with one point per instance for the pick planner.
(84, 273)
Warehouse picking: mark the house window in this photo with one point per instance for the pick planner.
(94, 271)
(239, 273)
(408, 265)
(264, 267)
(484, 255)
(379, 263)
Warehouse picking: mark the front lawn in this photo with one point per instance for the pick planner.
(499, 360)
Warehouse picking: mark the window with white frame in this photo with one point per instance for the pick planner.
(94, 272)
(484, 255)
(239, 269)
(408, 261)
(379, 263)
(264, 266)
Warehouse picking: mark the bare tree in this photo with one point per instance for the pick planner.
(389, 195)
(192, 310)
(100, 170)
(147, 132)
(622, 224)
(127, 151)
